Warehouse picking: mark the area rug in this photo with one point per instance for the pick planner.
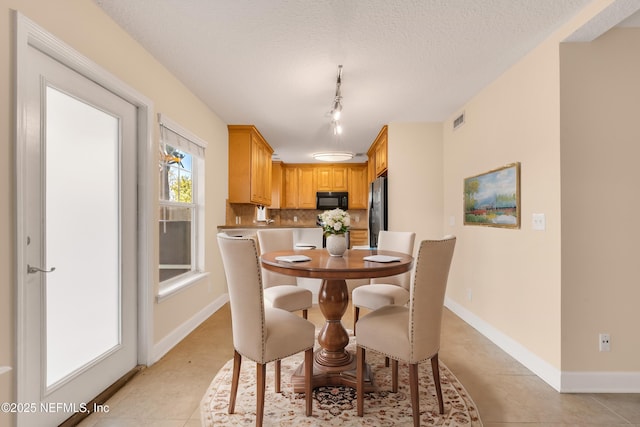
(336, 406)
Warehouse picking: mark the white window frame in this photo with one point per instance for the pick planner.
(195, 146)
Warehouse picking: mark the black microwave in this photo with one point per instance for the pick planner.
(332, 200)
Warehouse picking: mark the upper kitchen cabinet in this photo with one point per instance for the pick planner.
(276, 184)
(378, 155)
(358, 186)
(249, 166)
(299, 187)
(307, 187)
(332, 178)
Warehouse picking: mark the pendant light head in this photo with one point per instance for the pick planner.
(337, 110)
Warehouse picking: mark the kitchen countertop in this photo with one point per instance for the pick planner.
(241, 226)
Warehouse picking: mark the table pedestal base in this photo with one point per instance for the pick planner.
(333, 376)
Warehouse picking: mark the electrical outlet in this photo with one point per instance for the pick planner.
(605, 342)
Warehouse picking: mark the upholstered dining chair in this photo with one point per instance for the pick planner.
(410, 333)
(381, 291)
(281, 291)
(262, 334)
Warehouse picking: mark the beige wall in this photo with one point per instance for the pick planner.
(84, 27)
(543, 295)
(600, 94)
(415, 198)
(511, 279)
(553, 291)
(513, 276)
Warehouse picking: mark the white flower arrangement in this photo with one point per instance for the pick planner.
(335, 221)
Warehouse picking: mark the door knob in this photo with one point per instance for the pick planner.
(33, 270)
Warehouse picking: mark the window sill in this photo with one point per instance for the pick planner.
(172, 287)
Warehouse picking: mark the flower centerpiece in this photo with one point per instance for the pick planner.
(335, 224)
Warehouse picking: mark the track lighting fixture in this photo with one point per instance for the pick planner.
(336, 113)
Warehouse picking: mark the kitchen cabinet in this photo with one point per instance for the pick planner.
(299, 187)
(301, 181)
(358, 237)
(276, 185)
(249, 166)
(378, 155)
(332, 178)
(307, 187)
(358, 186)
(289, 187)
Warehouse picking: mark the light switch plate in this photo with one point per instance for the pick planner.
(539, 222)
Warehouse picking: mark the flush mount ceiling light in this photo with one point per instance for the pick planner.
(333, 156)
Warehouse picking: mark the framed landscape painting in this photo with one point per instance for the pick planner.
(493, 198)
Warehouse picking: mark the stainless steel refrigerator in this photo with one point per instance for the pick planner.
(377, 209)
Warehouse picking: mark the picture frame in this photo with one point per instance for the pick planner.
(492, 198)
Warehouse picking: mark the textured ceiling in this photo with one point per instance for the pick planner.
(273, 63)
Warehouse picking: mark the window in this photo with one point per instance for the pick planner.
(181, 216)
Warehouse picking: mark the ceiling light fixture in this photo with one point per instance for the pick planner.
(336, 113)
(333, 156)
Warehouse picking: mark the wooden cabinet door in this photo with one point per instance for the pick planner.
(267, 176)
(260, 172)
(249, 166)
(358, 238)
(331, 178)
(257, 170)
(381, 155)
(276, 185)
(340, 178)
(377, 154)
(290, 187)
(324, 176)
(358, 187)
(307, 187)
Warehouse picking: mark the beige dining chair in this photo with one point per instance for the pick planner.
(282, 291)
(262, 334)
(381, 291)
(410, 333)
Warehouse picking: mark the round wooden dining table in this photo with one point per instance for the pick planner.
(333, 365)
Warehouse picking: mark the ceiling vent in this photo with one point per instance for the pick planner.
(458, 121)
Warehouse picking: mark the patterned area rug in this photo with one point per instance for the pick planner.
(336, 406)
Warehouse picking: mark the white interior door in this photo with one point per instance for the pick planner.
(79, 314)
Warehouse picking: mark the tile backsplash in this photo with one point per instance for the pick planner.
(245, 214)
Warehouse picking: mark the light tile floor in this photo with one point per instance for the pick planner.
(507, 394)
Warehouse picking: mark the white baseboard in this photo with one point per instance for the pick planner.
(564, 382)
(4, 369)
(167, 343)
(601, 382)
(540, 367)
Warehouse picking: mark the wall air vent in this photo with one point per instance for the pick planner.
(458, 121)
